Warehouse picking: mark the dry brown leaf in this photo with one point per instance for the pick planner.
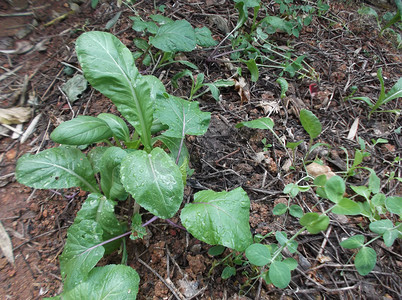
(5, 245)
(15, 115)
(353, 130)
(269, 107)
(314, 169)
(242, 89)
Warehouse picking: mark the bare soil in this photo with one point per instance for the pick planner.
(344, 48)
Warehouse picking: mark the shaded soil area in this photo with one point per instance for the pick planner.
(342, 47)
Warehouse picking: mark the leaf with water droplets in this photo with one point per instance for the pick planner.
(100, 209)
(154, 180)
(108, 282)
(183, 117)
(78, 257)
(56, 168)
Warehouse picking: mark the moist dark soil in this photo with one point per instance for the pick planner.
(343, 47)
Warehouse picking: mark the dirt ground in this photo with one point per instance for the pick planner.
(343, 47)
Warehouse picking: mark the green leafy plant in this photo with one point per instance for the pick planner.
(375, 206)
(394, 93)
(169, 37)
(130, 166)
(198, 83)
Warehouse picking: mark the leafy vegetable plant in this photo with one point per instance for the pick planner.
(130, 166)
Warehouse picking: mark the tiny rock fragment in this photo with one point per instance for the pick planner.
(15, 115)
(287, 164)
(315, 169)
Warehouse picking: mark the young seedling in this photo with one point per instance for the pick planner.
(394, 93)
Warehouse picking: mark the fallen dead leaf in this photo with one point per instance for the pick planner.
(242, 89)
(269, 107)
(353, 129)
(5, 245)
(15, 115)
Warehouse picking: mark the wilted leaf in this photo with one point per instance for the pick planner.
(243, 90)
(75, 87)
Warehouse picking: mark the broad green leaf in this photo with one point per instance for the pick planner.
(214, 87)
(183, 117)
(252, 67)
(173, 145)
(346, 207)
(219, 218)
(56, 168)
(292, 189)
(281, 237)
(216, 250)
(279, 209)
(366, 10)
(374, 183)
(394, 205)
(381, 226)
(362, 191)
(137, 230)
(100, 209)
(292, 246)
(154, 180)
(258, 254)
(291, 263)
(390, 236)
(117, 125)
(262, 123)
(78, 257)
(365, 260)
(284, 87)
(107, 283)
(296, 211)
(94, 156)
(161, 20)
(157, 88)
(174, 37)
(228, 272)
(94, 3)
(198, 82)
(273, 24)
(335, 188)
(141, 44)
(378, 200)
(204, 38)
(279, 274)
(314, 222)
(310, 123)
(353, 242)
(110, 173)
(140, 26)
(109, 67)
(81, 130)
